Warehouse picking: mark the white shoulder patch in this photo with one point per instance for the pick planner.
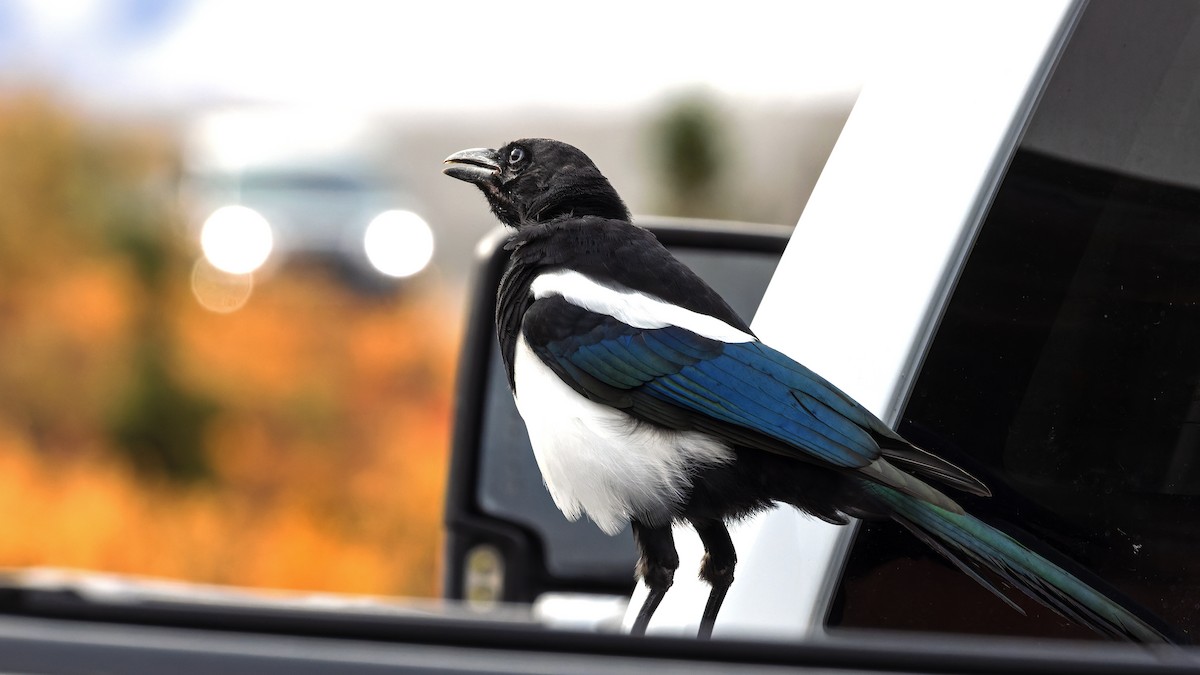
(632, 307)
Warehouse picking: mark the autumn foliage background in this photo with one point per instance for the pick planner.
(300, 442)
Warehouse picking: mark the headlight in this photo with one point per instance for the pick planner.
(398, 243)
(236, 239)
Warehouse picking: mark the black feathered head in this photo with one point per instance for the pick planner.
(534, 180)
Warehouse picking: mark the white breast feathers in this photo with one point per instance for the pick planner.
(600, 461)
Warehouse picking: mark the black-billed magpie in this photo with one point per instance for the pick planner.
(649, 401)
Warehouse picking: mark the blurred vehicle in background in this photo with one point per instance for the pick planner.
(261, 186)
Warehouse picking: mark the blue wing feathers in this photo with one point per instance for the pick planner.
(777, 414)
(686, 342)
(600, 365)
(630, 368)
(690, 389)
(683, 389)
(778, 365)
(747, 385)
(843, 425)
(656, 364)
(778, 395)
(669, 355)
(735, 406)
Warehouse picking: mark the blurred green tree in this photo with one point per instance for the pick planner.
(88, 263)
(690, 155)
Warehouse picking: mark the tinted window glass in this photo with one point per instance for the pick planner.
(1066, 369)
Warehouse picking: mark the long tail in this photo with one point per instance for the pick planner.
(964, 539)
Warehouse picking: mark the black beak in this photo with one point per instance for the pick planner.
(474, 166)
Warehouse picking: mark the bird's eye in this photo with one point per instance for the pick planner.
(516, 155)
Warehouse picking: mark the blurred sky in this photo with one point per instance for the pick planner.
(430, 56)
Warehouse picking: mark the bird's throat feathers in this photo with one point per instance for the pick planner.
(585, 196)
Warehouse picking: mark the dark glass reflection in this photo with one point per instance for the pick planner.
(1066, 370)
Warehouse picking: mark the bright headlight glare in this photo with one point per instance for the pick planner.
(398, 243)
(236, 239)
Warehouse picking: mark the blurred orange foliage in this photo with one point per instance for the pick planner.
(322, 416)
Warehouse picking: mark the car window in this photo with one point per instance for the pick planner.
(1065, 370)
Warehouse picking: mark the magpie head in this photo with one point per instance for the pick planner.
(534, 180)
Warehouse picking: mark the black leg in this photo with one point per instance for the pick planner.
(720, 559)
(656, 567)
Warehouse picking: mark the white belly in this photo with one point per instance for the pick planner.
(600, 461)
